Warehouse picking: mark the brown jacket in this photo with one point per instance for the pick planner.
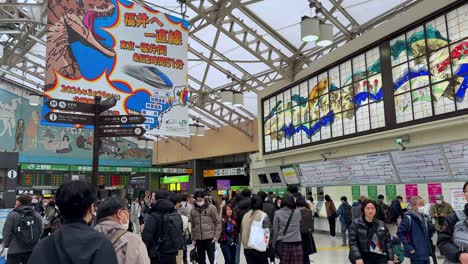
(129, 248)
(206, 222)
(247, 221)
(331, 209)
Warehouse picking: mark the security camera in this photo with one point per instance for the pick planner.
(324, 158)
(402, 141)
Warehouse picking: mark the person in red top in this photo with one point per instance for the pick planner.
(229, 235)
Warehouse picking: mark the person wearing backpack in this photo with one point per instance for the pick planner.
(163, 230)
(76, 242)
(206, 227)
(19, 236)
(346, 217)
(453, 237)
(113, 220)
(381, 208)
(415, 232)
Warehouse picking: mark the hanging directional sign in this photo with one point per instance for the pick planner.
(69, 118)
(121, 120)
(66, 105)
(121, 132)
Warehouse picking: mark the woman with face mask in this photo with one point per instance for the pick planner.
(369, 238)
(113, 219)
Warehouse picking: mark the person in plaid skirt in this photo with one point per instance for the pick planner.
(292, 241)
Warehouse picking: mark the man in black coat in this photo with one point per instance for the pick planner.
(268, 208)
(75, 242)
(153, 230)
(445, 240)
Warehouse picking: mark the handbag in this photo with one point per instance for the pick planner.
(257, 234)
(279, 243)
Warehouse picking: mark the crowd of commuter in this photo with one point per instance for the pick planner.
(77, 227)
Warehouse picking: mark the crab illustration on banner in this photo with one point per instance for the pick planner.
(122, 49)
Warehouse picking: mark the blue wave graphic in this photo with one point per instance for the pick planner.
(408, 76)
(462, 72)
(290, 130)
(362, 96)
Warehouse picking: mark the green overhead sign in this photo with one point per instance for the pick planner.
(44, 167)
(152, 169)
(175, 179)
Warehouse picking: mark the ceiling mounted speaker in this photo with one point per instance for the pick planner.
(310, 28)
(326, 35)
(238, 99)
(227, 97)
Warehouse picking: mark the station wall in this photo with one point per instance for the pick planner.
(20, 130)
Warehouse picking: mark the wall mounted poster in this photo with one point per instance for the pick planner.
(434, 189)
(372, 192)
(457, 199)
(223, 184)
(411, 190)
(390, 192)
(122, 49)
(356, 192)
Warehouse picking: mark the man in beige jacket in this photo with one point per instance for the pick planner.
(113, 219)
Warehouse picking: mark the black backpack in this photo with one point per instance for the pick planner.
(171, 238)
(29, 229)
(348, 216)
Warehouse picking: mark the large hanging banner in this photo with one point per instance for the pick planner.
(122, 49)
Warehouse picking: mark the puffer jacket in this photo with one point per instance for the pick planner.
(206, 222)
(129, 247)
(444, 239)
(359, 240)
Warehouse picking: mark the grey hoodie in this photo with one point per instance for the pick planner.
(9, 236)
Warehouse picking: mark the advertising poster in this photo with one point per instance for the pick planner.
(290, 174)
(390, 192)
(410, 191)
(122, 49)
(356, 192)
(434, 189)
(372, 192)
(223, 184)
(457, 199)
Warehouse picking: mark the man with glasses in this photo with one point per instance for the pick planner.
(453, 236)
(75, 241)
(113, 220)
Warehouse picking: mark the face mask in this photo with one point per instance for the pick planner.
(44, 204)
(439, 202)
(421, 209)
(200, 203)
(125, 226)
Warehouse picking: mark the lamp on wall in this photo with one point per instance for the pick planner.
(238, 99)
(35, 99)
(200, 130)
(196, 129)
(149, 144)
(193, 129)
(310, 28)
(227, 97)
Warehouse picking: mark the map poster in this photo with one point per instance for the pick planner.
(390, 192)
(434, 189)
(457, 199)
(356, 192)
(372, 192)
(117, 48)
(411, 190)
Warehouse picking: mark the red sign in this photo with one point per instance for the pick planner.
(411, 190)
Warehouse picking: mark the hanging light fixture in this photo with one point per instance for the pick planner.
(35, 99)
(238, 99)
(227, 97)
(310, 28)
(193, 129)
(200, 130)
(326, 35)
(141, 143)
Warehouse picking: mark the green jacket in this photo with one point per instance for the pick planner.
(439, 212)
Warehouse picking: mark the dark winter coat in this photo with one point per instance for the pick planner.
(444, 239)
(269, 209)
(359, 240)
(11, 224)
(153, 225)
(241, 207)
(417, 237)
(74, 243)
(397, 211)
